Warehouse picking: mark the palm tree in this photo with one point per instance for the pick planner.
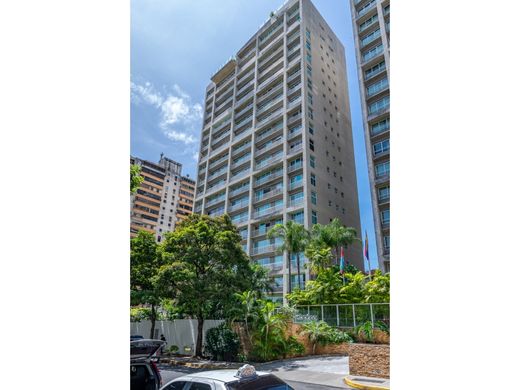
(294, 240)
(335, 235)
(316, 332)
(248, 301)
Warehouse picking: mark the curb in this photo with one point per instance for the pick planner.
(361, 386)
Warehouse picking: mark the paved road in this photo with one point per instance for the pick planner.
(304, 373)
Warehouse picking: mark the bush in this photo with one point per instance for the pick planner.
(292, 347)
(337, 336)
(222, 343)
(173, 349)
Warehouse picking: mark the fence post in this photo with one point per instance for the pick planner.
(322, 315)
(337, 315)
(354, 315)
(372, 314)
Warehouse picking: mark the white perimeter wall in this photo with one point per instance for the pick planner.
(182, 333)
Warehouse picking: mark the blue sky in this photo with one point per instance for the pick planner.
(176, 45)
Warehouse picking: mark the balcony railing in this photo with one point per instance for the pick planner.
(373, 53)
(294, 167)
(378, 87)
(270, 194)
(244, 98)
(240, 220)
(294, 76)
(268, 146)
(216, 187)
(244, 120)
(269, 94)
(265, 60)
(295, 88)
(239, 205)
(240, 174)
(241, 160)
(375, 73)
(217, 173)
(242, 134)
(239, 190)
(267, 106)
(295, 149)
(293, 49)
(246, 85)
(220, 126)
(269, 79)
(268, 117)
(220, 138)
(269, 132)
(265, 179)
(243, 147)
(295, 202)
(370, 38)
(264, 249)
(295, 184)
(216, 162)
(366, 9)
(294, 102)
(269, 161)
(244, 110)
(215, 201)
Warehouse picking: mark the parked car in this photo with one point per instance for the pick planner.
(144, 374)
(136, 337)
(246, 378)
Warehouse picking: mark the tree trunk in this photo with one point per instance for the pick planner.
(152, 321)
(298, 268)
(198, 347)
(289, 259)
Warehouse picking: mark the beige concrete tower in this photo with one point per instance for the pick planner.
(371, 22)
(276, 141)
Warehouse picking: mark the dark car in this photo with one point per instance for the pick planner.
(136, 337)
(246, 378)
(144, 374)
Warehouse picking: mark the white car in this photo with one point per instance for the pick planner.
(246, 378)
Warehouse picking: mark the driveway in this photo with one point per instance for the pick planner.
(319, 370)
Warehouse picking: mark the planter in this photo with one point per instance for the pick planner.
(371, 360)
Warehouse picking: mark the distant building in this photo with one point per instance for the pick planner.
(276, 142)
(371, 20)
(164, 198)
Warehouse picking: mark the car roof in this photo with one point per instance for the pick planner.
(225, 376)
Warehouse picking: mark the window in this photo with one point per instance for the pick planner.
(309, 70)
(307, 44)
(385, 217)
(199, 386)
(381, 126)
(328, 170)
(309, 58)
(309, 83)
(330, 203)
(313, 162)
(313, 179)
(309, 95)
(311, 145)
(329, 186)
(383, 193)
(379, 105)
(314, 217)
(176, 386)
(381, 147)
(383, 169)
(313, 197)
(311, 128)
(386, 242)
(311, 115)
(343, 210)
(342, 195)
(308, 33)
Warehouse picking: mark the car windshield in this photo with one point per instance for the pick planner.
(144, 347)
(267, 382)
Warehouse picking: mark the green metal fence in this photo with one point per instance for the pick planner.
(344, 315)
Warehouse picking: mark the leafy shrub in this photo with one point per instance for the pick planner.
(337, 336)
(173, 349)
(365, 332)
(222, 343)
(382, 326)
(292, 347)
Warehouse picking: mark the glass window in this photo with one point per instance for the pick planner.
(383, 169)
(381, 126)
(313, 197)
(381, 104)
(386, 242)
(383, 193)
(313, 179)
(311, 144)
(314, 217)
(385, 217)
(176, 386)
(199, 386)
(313, 162)
(381, 147)
(311, 128)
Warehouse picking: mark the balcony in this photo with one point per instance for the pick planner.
(260, 232)
(266, 119)
(240, 220)
(243, 121)
(216, 187)
(218, 106)
(238, 191)
(268, 146)
(269, 177)
(241, 148)
(270, 132)
(264, 42)
(370, 38)
(267, 212)
(217, 173)
(242, 134)
(220, 138)
(221, 125)
(373, 53)
(242, 160)
(366, 9)
(264, 249)
(266, 60)
(293, 76)
(197, 210)
(295, 202)
(245, 76)
(292, 39)
(243, 99)
(247, 84)
(214, 163)
(293, 49)
(295, 88)
(380, 179)
(295, 184)
(274, 90)
(374, 73)
(215, 201)
(269, 79)
(294, 132)
(383, 200)
(378, 111)
(267, 195)
(220, 148)
(240, 174)
(295, 167)
(273, 102)
(245, 110)
(216, 213)
(294, 102)
(374, 89)
(239, 205)
(269, 161)
(294, 117)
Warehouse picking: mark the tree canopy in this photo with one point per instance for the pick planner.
(135, 178)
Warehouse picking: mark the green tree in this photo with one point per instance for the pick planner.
(145, 261)
(269, 334)
(319, 255)
(377, 290)
(335, 235)
(205, 267)
(294, 238)
(317, 332)
(135, 178)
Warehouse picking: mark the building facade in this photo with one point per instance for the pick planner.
(164, 198)
(371, 23)
(276, 141)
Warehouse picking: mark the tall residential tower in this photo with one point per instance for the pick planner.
(276, 141)
(163, 199)
(371, 21)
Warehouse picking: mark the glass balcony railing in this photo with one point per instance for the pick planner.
(220, 137)
(294, 167)
(244, 110)
(240, 174)
(268, 80)
(296, 202)
(269, 117)
(267, 211)
(370, 37)
(218, 173)
(216, 162)
(211, 202)
(241, 160)
(294, 88)
(372, 53)
(243, 147)
(275, 90)
(293, 76)
(244, 98)
(267, 106)
(268, 146)
(295, 184)
(270, 176)
(242, 134)
(366, 8)
(269, 161)
(264, 249)
(239, 205)
(244, 120)
(377, 87)
(239, 190)
(369, 75)
(266, 195)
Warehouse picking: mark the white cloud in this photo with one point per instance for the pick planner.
(176, 110)
(196, 156)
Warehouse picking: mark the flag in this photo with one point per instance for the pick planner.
(366, 246)
(342, 262)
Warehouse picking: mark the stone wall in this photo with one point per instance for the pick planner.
(369, 360)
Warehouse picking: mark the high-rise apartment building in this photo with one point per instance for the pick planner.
(371, 21)
(276, 141)
(164, 198)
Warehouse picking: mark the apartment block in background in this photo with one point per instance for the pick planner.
(371, 22)
(276, 141)
(164, 198)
